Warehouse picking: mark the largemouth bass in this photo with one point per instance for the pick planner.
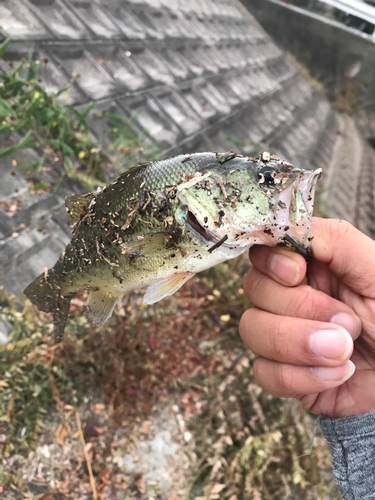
(163, 221)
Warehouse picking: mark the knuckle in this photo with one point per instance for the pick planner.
(247, 282)
(248, 327)
(282, 377)
(277, 341)
(244, 322)
(258, 371)
(297, 303)
(253, 281)
(341, 225)
(369, 313)
(273, 377)
(305, 302)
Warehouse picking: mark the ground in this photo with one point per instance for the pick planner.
(166, 401)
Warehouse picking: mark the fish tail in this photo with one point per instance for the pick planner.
(45, 293)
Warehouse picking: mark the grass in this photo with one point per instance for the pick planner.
(31, 117)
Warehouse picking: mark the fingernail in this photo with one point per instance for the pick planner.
(343, 372)
(331, 344)
(284, 268)
(351, 323)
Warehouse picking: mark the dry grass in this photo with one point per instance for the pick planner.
(184, 351)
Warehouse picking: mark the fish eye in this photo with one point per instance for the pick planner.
(266, 176)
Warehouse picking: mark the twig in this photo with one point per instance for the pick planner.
(147, 202)
(195, 178)
(131, 215)
(218, 244)
(87, 458)
(223, 188)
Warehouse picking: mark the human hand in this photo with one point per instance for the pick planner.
(310, 323)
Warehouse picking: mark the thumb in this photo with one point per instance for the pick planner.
(349, 253)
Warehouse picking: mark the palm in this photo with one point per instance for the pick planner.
(356, 395)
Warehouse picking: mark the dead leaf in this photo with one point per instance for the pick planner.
(105, 474)
(216, 489)
(3, 383)
(146, 426)
(11, 205)
(62, 431)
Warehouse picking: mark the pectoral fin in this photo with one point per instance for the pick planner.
(163, 287)
(99, 307)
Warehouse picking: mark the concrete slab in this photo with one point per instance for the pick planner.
(94, 80)
(120, 64)
(151, 120)
(149, 61)
(58, 18)
(18, 21)
(180, 112)
(97, 21)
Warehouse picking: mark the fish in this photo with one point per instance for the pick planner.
(161, 222)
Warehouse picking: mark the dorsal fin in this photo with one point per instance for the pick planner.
(134, 169)
(76, 206)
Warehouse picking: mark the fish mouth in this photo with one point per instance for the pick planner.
(289, 224)
(294, 212)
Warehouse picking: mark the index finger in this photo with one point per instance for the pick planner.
(284, 266)
(348, 254)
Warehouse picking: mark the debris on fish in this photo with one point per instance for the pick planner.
(163, 221)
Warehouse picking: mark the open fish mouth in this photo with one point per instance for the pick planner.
(288, 225)
(295, 209)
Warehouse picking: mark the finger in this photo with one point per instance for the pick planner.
(302, 301)
(320, 277)
(295, 341)
(284, 266)
(287, 381)
(349, 253)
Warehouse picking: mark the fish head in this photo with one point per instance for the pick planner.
(246, 202)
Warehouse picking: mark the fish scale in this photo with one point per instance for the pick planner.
(156, 175)
(163, 221)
